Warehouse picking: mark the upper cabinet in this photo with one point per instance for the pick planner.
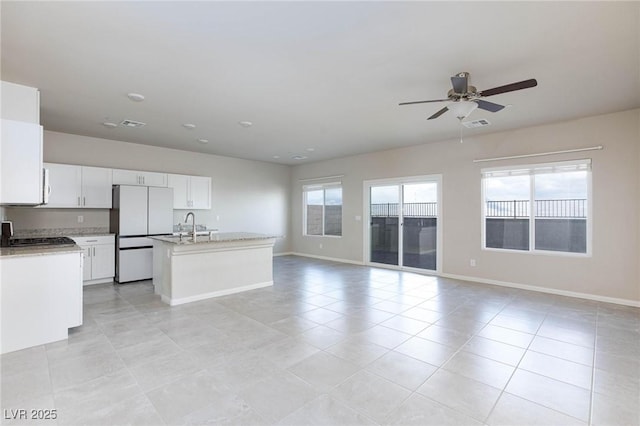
(20, 103)
(190, 192)
(20, 146)
(78, 186)
(133, 177)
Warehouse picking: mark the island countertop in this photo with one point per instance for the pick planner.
(222, 237)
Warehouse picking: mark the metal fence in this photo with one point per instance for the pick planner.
(410, 210)
(516, 209)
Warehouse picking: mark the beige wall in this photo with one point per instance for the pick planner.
(611, 272)
(247, 195)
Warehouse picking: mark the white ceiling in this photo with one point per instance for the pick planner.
(326, 76)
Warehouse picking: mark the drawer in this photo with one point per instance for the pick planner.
(94, 240)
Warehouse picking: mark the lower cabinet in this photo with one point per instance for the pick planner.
(99, 257)
(41, 298)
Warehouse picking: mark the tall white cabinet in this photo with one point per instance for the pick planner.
(21, 178)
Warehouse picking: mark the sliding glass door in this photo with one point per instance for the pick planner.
(403, 222)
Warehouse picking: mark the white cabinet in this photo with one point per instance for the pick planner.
(20, 103)
(21, 163)
(78, 186)
(41, 299)
(133, 177)
(190, 192)
(96, 187)
(20, 145)
(98, 254)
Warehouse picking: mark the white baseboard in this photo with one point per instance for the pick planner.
(287, 253)
(183, 300)
(333, 259)
(98, 281)
(588, 296)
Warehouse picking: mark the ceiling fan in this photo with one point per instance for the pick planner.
(466, 98)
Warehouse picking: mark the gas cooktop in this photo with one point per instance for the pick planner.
(41, 241)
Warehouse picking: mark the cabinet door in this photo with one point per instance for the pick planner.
(20, 103)
(153, 179)
(180, 185)
(86, 262)
(126, 177)
(200, 190)
(96, 187)
(65, 183)
(20, 163)
(103, 261)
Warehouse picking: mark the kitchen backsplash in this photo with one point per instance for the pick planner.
(39, 218)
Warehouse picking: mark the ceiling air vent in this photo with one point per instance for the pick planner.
(476, 123)
(132, 123)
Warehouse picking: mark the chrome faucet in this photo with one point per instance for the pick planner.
(193, 218)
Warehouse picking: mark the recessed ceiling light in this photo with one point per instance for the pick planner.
(245, 123)
(189, 126)
(276, 156)
(135, 97)
(203, 140)
(310, 149)
(109, 125)
(299, 157)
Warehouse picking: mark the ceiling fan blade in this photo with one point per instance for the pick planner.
(439, 113)
(424, 102)
(510, 87)
(460, 82)
(488, 106)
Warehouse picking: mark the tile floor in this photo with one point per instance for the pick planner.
(337, 344)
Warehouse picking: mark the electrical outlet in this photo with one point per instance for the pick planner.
(320, 245)
(80, 219)
(472, 262)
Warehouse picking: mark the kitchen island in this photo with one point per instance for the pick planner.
(214, 265)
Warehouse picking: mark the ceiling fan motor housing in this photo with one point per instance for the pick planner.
(469, 94)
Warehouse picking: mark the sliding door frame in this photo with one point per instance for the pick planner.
(366, 209)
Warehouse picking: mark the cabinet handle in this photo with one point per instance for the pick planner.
(94, 251)
(92, 241)
(143, 182)
(84, 201)
(79, 201)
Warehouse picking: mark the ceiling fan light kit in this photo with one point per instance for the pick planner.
(465, 98)
(462, 109)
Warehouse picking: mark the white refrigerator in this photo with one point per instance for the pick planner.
(138, 212)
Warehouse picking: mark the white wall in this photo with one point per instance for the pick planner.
(247, 195)
(611, 272)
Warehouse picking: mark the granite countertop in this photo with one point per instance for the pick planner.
(37, 251)
(221, 237)
(61, 232)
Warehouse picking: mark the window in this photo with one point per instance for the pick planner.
(543, 207)
(323, 209)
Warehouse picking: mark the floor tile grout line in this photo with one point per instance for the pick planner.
(504, 388)
(593, 369)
